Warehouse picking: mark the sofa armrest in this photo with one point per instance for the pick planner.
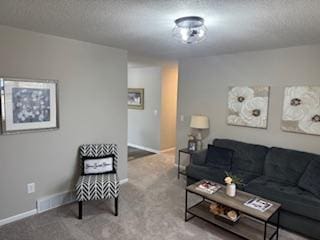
(199, 157)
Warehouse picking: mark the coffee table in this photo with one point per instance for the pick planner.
(253, 224)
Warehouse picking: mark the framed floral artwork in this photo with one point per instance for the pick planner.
(28, 105)
(301, 110)
(248, 106)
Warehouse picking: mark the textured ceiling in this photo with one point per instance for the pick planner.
(143, 27)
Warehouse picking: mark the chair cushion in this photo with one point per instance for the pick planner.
(287, 166)
(219, 157)
(292, 198)
(246, 157)
(310, 180)
(200, 172)
(95, 187)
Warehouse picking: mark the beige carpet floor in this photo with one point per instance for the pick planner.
(151, 208)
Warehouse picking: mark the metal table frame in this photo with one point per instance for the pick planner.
(185, 151)
(275, 234)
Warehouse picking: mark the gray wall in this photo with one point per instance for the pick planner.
(203, 84)
(144, 125)
(93, 109)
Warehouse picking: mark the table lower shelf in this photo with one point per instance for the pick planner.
(247, 227)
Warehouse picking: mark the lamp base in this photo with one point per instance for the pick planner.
(199, 145)
(199, 140)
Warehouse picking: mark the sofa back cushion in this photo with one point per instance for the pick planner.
(246, 157)
(310, 180)
(287, 166)
(218, 157)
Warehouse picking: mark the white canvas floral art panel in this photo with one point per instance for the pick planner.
(301, 110)
(248, 106)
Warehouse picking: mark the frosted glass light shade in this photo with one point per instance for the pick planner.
(199, 122)
(189, 29)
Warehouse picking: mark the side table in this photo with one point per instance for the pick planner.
(184, 151)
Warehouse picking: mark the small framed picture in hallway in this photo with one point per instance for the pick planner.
(136, 98)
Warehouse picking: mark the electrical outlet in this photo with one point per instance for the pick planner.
(31, 188)
(182, 118)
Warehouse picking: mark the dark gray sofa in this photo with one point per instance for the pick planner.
(272, 173)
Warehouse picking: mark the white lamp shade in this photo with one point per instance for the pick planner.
(199, 122)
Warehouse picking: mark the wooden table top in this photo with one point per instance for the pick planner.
(236, 202)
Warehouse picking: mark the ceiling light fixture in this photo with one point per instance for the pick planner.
(189, 30)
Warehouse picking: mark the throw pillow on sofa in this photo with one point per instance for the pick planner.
(219, 157)
(310, 180)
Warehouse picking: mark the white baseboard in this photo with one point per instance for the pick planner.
(60, 199)
(143, 148)
(123, 181)
(167, 150)
(18, 217)
(47, 203)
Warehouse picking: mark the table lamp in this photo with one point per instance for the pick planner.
(199, 122)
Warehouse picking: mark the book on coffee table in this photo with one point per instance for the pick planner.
(258, 204)
(208, 187)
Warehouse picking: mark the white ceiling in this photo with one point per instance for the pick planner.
(143, 27)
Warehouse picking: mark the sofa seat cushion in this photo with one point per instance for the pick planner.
(200, 172)
(292, 198)
(218, 157)
(245, 176)
(216, 174)
(246, 157)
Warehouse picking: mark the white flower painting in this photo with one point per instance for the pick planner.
(301, 110)
(248, 106)
(238, 96)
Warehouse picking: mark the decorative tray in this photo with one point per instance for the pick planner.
(226, 219)
(225, 214)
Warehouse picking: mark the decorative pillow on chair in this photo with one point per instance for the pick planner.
(310, 180)
(219, 157)
(98, 165)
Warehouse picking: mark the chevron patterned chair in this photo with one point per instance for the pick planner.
(98, 186)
